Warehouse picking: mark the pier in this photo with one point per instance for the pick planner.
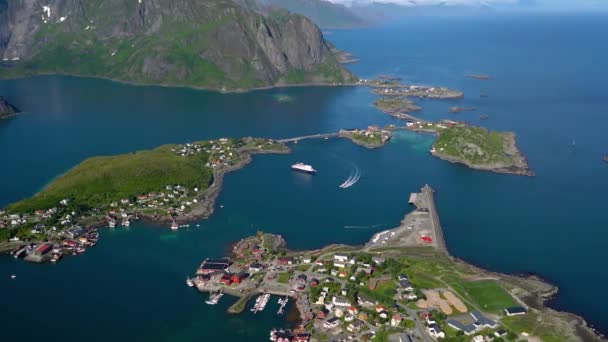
(435, 223)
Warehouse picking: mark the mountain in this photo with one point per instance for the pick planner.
(215, 44)
(324, 13)
(6, 109)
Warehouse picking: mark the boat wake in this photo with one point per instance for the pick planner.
(353, 178)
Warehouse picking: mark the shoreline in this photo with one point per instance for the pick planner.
(531, 291)
(193, 87)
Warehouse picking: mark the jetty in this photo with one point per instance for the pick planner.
(417, 229)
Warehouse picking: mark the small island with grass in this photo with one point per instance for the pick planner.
(479, 148)
(372, 137)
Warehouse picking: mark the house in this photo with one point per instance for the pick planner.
(515, 311)
(339, 312)
(339, 264)
(396, 320)
(340, 258)
(406, 285)
(467, 329)
(342, 274)
(349, 318)
(365, 301)
(322, 313)
(238, 278)
(319, 262)
(383, 314)
(285, 261)
(478, 338)
(314, 282)
(435, 331)
(378, 260)
(482, 321)
(353, 310)
(306, 260)
(340, 301)
(302, 337)
(226, 280)
(255, 267)
(331, 323)
(500, 333)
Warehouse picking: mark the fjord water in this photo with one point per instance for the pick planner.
(548, 76)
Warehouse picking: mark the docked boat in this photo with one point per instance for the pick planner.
(214, 298)
(56, 257)
(126, 223)
(190, 282)
(174, 226)
(301, 167)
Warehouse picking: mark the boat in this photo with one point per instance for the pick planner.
(56, 257)
(80, 250)
(301, 167)
(214, 298)
(260, 303)
(189, 282)
(606, 157)
(126, 223)
(174, 226)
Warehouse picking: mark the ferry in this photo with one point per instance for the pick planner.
(301, 167)
(214, 298)
(189, 282)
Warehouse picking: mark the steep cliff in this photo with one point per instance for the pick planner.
(204, 43)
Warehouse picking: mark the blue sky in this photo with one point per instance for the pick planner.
(569, 5)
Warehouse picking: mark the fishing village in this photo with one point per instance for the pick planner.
(400, 286)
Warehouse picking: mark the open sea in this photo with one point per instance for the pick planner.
(548, 85)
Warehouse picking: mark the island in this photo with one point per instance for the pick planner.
(372, 137)
(457, 142)
(401, 285)
(6, 109)
(171, 184)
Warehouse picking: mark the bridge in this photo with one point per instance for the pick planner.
(314, 136)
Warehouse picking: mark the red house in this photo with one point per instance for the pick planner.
(285, 261)
(226, 280)
(238, 278)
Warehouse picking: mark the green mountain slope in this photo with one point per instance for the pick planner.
(202, 43)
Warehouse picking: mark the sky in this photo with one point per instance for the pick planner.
(533, 4)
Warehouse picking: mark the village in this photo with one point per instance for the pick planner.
(69, 228)
(344, 293)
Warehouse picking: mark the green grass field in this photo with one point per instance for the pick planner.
(101, 180)
(475, 145)
(489, 295)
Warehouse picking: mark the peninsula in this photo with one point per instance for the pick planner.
(401, 285)
(6, 109)
(172, 184)
(215, 44)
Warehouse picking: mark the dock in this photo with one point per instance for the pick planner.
(417, 229)
(436, 224)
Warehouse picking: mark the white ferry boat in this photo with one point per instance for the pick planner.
(301, 167)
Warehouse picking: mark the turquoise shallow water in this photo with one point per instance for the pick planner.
(547, 86)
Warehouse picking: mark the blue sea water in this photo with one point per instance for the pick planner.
(548, 85)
